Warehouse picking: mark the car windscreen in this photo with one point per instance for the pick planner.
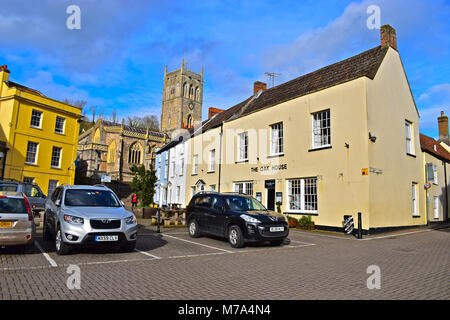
(12, 205)
(90, 198)
(237, 203)
(8, 187)
(32, 191)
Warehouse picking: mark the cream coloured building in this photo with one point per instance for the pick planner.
(340, 140)
(436, 160)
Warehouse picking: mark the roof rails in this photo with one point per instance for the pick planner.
(101, 185)
(10, 180)
(64, 184)
(207, 192)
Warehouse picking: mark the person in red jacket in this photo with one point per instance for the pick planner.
(133, 200)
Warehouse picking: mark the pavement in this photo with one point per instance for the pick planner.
(412, 264)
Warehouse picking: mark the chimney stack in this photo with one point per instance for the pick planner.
(258, 85)
(4, 76)
(388, 36)
(212, 111)
(443, 127)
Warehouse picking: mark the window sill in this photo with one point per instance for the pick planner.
(241, 161)
(194, 174)
(416, 216)
(320, 148)
(411, 155)
(60, 133)
(275, 155)
(302, 213)
(31, 164)
(211, 171)
(57, 168)
(38, 128)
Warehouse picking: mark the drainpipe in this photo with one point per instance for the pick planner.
(220, 155)
(446, 191)
(4, 163)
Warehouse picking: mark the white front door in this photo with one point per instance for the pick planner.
(436, 207)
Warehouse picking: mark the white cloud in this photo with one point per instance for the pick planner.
(43, 81)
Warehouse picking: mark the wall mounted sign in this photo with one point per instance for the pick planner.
(365, 171)
(280, 197)
(269, 184)
(349, 224)
(275, 167)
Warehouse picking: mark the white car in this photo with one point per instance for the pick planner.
(88, 215)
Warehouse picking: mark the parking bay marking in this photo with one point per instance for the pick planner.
(147, 254)
(200, 244)
(45, 254)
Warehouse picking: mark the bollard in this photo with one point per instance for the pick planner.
(359, 226)
(158, 230)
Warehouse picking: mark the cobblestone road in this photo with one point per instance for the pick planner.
(414, 264)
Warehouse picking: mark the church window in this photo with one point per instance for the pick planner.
(112, 152)
(134, 155)
(96, 138)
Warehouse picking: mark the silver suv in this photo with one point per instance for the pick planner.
(87, 215)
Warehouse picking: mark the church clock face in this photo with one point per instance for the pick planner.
(191, 106)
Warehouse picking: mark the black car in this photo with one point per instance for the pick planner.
(240, 218)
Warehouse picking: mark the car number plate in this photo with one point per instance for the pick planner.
(5, 224)
(276, 229)
(106, 238)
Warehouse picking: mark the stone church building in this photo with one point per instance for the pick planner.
(111, 149)
(182, 99)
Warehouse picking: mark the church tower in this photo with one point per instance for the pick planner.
(182, 99)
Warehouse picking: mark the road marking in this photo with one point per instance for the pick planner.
(311, 244)
(321, 235)
(147, 254)
(45, 254)
(200, 244)
(394, 235)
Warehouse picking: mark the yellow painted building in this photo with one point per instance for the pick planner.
(39, 135)
(341, 140)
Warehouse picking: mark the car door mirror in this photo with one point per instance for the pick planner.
(122, 203)
(58, 203)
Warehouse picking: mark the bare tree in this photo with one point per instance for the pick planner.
(114, 115)
(93, 109)
(76, 103)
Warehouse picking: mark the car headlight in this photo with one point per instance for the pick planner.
(247, 218)
(130, 220)
(73, 219)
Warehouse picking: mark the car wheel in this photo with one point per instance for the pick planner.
(45, 232)
(128, 247)
(235, 237)
(276, 242)
(61, 247)
(194, 231)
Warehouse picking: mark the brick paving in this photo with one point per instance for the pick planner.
(313, 266)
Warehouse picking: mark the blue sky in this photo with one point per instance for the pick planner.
(117, 59)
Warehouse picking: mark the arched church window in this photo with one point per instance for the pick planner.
(189, 121)
(134, 155)
(185, 90)
(197, 94)
(191, 92)
(96, 138)
(112, 152)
